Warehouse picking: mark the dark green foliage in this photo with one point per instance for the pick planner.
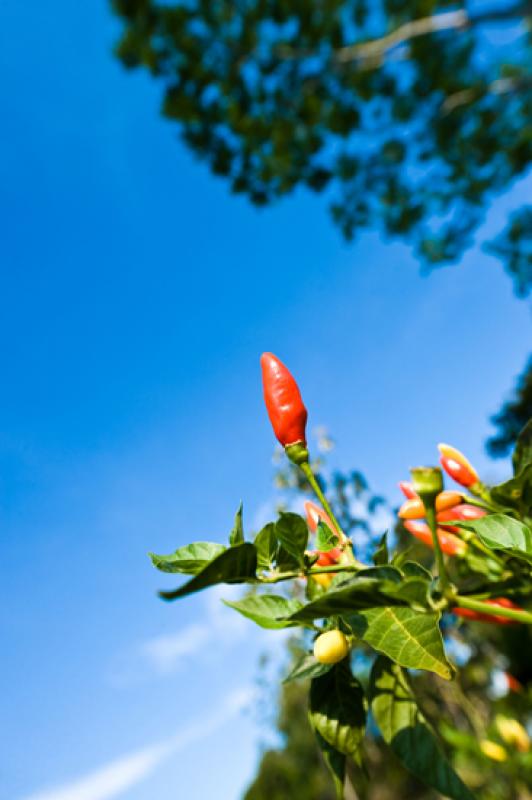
(411, 115)
(296, 770)
(513, 416)
(407, 732)
(337, 710)
(514, 247)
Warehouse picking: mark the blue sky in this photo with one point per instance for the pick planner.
(136, 297)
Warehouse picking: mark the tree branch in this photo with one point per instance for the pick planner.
(460, 19)
(499, 86)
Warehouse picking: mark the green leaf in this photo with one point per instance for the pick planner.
(267, 610)
(235, 565)
(401, 557)
(335, 763)
(337, 709)
(477, 562)
(499, 532)
(380, 556)
(292, 532)
(522, 456)
(285, 561)
(190, 559)
(266, 545)
(411, 569)
(517, 492)
(365, 590)
(410, 638)
(326, 539)
(307, 667)
(237, 534)
(407, 732)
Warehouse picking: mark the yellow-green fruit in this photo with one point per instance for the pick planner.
(331, 647)
(493, 750)
(512, 732)
(324, 579)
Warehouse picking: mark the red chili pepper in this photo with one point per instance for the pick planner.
(457, 466)
(513, 684)
(286, 411)
(462, 511)
(479, 616)
(328, 558)
(451, 545)
(407, 489)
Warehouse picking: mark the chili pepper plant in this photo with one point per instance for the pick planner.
(481, 539)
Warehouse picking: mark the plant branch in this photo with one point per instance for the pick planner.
(309, 475)
(460, 19)
(344, 540)
(335, 568)
(493, 611)
(430, 513)
(497, 87)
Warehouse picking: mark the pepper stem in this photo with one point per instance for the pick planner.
(307, 470)
(492, 610)
(428, 483)
(430, 513)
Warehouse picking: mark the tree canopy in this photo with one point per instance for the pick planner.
(513, 416)
(410, 116)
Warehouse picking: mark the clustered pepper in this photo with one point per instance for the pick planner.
(450, 506)
(412, 510)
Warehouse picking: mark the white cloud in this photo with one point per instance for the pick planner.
(114, 778)
(165, 653)
(220, 628)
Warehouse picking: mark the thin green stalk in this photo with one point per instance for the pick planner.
(481, 490)
(430, 513)
(285, 576)
(472, 501)
(307, 470)
(488, 608)
(475, 542)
